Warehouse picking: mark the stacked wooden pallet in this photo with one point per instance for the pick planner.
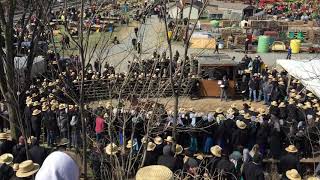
(104, 89)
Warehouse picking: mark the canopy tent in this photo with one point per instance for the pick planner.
(306, 71)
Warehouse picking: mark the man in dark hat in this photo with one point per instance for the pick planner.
(253, 170)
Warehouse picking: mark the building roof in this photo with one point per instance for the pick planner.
(216, 60)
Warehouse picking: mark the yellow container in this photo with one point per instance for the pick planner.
(169, 34)
(295, 46)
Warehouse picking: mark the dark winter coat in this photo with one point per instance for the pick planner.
(275, 143)
(19, 153)
(50, 121)
(150, 159)
(212, 165)
(6, 172)
(37, 154)
(283, 113)
(240, 137)
(227, 167)
(168, 161)
(36, 123)
(6, 147)
(289, 161)
(252, 171)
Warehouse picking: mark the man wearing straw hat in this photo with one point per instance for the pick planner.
(6, 171)
(5, 144)
(36, 123)
(290, 160)
(151, 158)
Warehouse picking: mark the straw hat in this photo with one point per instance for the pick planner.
(179, 149)
(3, 136)
(261, 111)
(316, 105)
(154, 172)
(71, 107)
(54, 107)
(298, 96)
(158, 140)
(313, 178)
(230, 111)
(247, 71)
(36, 103)
(111, 149)
(293, 174)
(36, 112)
(43, 99)
(219, 110)
(282, 104)
(291, 148)
(241, 112)
(274, 103)
(151, 146)
(108, 105)
(241, 124)
(62, 106)
(129, 144)
(247, 116)
(293, 90)
(291, 101)
(307, 105)
(169, 139)
(27, 168)
(310, 95)
(294, 81)
(45, 108)
(300, 105)
(281, 83)
(216, 150)
(314, 100)
(221, 117)
(6, 158)
(234, 105)
(252, 109)
(63, 142)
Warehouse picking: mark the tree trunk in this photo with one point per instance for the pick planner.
(12, 120)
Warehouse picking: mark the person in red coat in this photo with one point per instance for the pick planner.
(99, 127)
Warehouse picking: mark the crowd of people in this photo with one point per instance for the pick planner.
(293, 10)
(146, 141)
(207, 143)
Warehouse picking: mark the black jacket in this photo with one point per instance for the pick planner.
(19, 153)
(6, 147)
(6, 172)
(36, 123)
(240, 137)
(252, 171)
(287, 162)
(168, 161)
(37, 154)
(227, 168)
(150, 159)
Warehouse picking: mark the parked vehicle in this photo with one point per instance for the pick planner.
(278, 46)
(315, 48)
